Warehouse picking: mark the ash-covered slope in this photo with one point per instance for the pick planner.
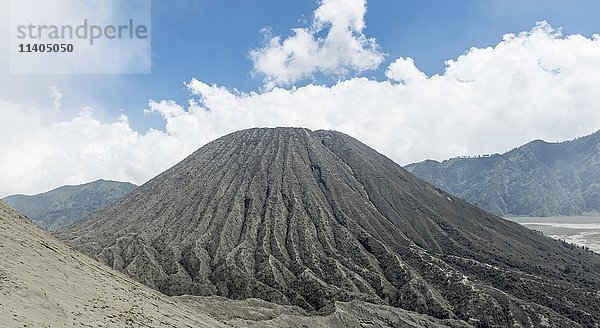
(536, 179)
(64, 205)
(44, 283)
(309, 218)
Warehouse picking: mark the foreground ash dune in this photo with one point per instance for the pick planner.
(256, 313)
(307, 218)
(44, 283)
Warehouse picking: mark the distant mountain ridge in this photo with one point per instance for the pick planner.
(62, 206)
(536, 179)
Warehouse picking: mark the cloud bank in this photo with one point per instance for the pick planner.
(343, 49)
(536, 84)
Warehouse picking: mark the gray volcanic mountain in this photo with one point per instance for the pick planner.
(62, 206)
(309, 218)
(537, 179)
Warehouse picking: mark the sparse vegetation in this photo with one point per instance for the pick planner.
(536, 179)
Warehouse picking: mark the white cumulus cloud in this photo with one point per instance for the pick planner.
(56, 94)
(535, 84)
(342, 49)
(404, 70)
(39, 154)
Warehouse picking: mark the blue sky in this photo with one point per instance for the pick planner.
(541, 83)
(210, 40)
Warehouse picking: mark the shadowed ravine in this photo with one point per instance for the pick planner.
(309, 218)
